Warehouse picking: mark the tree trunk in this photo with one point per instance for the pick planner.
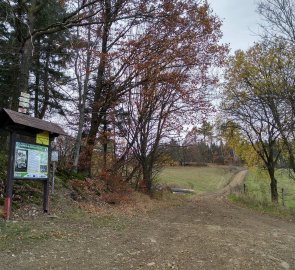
(26, 54)
(147, 177)
(273, 184)
(83, 90)
(98, 101)
(27, 49)
(80, 130)
(46, 88)
(105, 143)
(37, 79)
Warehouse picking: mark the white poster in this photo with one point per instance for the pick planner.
(31, 161)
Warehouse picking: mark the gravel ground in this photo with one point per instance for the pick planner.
(206, 232)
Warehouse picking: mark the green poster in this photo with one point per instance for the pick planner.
(31, 161)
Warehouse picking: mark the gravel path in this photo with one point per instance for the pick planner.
(205, 233)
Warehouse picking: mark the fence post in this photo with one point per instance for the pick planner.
(283, 197)
(244, 188)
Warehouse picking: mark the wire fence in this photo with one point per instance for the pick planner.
(286, 197)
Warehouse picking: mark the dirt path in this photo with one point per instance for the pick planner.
(205, 233)
(236, 183)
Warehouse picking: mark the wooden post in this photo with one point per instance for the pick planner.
(53, 176)
(245, 188)
(46, 196)
(46, 182)
(9, 180)
(283, 197)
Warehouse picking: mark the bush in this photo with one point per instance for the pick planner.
(107, 188)
(66, 175)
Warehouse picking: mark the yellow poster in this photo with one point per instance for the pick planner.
(42, 138)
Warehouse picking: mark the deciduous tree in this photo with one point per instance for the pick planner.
(252, 80)
(172, 61)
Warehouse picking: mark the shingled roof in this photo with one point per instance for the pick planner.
(9, 117)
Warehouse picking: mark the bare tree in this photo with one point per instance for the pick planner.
(279, 18)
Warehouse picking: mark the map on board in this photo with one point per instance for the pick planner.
(31, 161)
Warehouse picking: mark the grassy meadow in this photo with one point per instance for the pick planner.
(258, 187)
(200, 179)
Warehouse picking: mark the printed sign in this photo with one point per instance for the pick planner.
(26, 95)
(24, 99)
(31, 161)
(22, 110)
(42, 138)
(23, 104)
(54, 156)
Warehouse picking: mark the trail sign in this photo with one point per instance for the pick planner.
(22, 110)
(24, 99)
(42, 138)
(23, 104)
(29, 152)
(26, 95)
(54, 156)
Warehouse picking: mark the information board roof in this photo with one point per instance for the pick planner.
(9, 117)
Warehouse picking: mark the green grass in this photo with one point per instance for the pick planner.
(264, 206)
(258, 186)
(200, 179)
(12, 234)
(258, 195)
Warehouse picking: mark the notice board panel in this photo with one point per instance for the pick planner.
(31, 161)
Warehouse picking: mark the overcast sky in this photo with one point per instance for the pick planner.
(240, 22)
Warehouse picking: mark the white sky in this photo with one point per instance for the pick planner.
(240, 22)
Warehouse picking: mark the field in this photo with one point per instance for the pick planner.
(258, 187)
(200, 179)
